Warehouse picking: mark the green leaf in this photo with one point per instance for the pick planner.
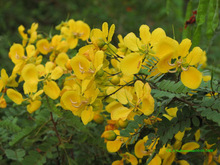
(187, 123)
(187, 31)
(212, 18)
(25, 132)
(202, 12)
(34, 158)
(15, 155)
(195, 121)
(9, 125)
(124, 133)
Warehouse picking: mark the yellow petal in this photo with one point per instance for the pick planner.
(113, 105)
(182, 162)
(16, 53)
(155, 160)
(30, 49)
(169, 159)
(147, 105)
(114, 146)
(3, 103)
(147, 89)
(4, 77)
(197, 135)
(120, 112)
(71, 100)
(33, 106)
(12, 82)
(80, 66)
(131, 158)
(157, 35)
(62, 59)
(49, 67)
(189, 147)
(15, 96)
(179, 135)
(194, 57)
(98, 61)
(37, 94)
(52, 90)
(83, 30)
(139, 149)
(206, 78)
(145, 34)
(105, 29)
(72, 42)
(131, 64)
(191, 78)
(121, 96)
(166, 46)
(30, 86)
(43, 46)
(1, 85)
(132, 42)
(41, 70)
(177, 145)
(57, 73)
(172, 111)
(111, 32)
(163, 64)
(87, 115)
(167, 116)
(29, 73)
(118, 162)
(184, 46)
(138, 86)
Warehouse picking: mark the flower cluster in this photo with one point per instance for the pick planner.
(101, 81)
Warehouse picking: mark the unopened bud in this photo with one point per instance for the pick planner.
(115, 80)
(109, 135)
(99, 119)
(122, 124)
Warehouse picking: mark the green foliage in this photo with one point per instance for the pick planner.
(54, 136)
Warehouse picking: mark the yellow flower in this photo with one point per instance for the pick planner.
(141, 150)
(168, 50)
(34, 101)
(43, 46)
(98, 37)
(16, 53)
(81, 67)
(75, 30)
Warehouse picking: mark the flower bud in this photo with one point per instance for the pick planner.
(115, 80)
(109, 135)
(122, 124)
(99, 119)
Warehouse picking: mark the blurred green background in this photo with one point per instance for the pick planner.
(127, 15)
